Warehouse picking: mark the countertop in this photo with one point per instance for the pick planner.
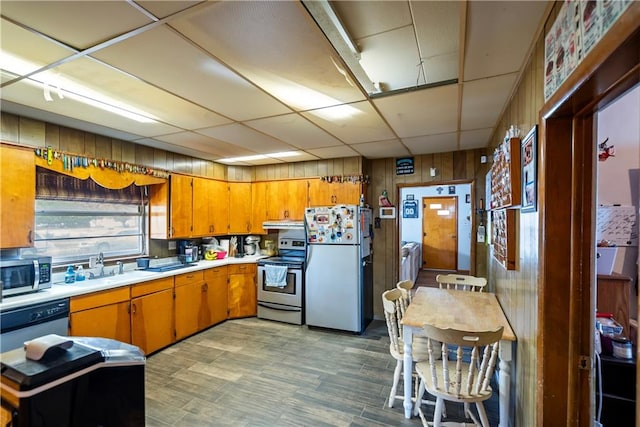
(131, 276)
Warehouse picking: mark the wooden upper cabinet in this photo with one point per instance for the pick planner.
(171, 208)
(287, 199)
(210, 207)
(323, 193)
(240, 207)
(17, 203)
(259, 192)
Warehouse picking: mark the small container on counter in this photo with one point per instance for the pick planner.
(70, 275)
(622, 347)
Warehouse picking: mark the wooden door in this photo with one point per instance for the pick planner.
(259, 208)
(440, 233)
(242, 298)
(181, 200)
(216, 297)
(188, 303)
(17, 202)
(109, 321)
(240, 207)
(152, 321)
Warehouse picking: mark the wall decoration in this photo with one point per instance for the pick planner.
(467, 198)
(605, 151)
(616, 226)
(530, 171)
(410, 209)
(452, 189)
(505, 174)
(404, 166)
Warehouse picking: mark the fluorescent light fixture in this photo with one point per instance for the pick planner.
(67, 88)
(330, 24)
(259, 157)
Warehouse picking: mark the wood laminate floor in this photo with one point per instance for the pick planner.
(253, 372)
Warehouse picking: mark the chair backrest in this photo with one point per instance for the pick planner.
(459, 375)
(405, 286)
(461, 282)
(394, 307)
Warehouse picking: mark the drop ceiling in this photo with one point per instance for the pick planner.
(216, 80)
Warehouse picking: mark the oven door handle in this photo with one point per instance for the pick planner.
(278, 307)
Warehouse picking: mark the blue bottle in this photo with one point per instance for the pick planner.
(70, 275)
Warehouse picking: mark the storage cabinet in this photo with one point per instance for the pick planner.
(216, 294)
(323, 193)
(17, 202)
(505, 175)
(618, 391)
(171, 208)
(613, 297)
(259, 192)
(240, 208)
(190, 301)
(101, 314)
(503, 226)
(242, 300)
(287, 199)
(210, 207)
(152, 314)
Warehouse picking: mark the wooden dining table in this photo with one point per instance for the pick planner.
(463, 310)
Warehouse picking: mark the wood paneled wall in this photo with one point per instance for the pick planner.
(517, 289)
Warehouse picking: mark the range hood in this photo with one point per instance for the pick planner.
(283, 224)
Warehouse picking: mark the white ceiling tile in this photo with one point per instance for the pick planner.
(381, 149)
(499, 35)
(161, 9)
(432, 143)
(334, 152)
(482, 101)
(295, 130)
(366, 18)
(163, 58)
(478, 138)
(246, 137)
(78, 24)
(179, 148)
(204, 144)
(273, 45)
(34, 50)
(351, 123)
(421, 112)
(392, 59)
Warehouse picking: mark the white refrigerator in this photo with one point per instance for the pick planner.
(338, 279)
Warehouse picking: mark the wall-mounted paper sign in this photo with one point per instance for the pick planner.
(404, 166)
(410, 209)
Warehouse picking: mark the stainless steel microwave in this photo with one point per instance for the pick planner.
(23, 275)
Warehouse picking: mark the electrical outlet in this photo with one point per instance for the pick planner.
(172, 245)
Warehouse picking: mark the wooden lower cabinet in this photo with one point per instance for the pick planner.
(101, 314)
(242, 291)
(216, 294)
(152, 315)
(190, 293)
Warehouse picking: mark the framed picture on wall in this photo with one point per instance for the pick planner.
(530, 171)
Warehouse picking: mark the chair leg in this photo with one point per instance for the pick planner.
(437, 414)
(396, 380)
(483, 414)
(419, 394)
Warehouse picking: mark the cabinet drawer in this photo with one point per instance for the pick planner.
(186, 278)
(151, 287)
(242, 268)
(212, 273)
(98, 299)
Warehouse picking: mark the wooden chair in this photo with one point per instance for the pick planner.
(463, 380)
(461, 282)
(394, 305)
(406, 286)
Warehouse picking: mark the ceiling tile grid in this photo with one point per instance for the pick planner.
(224, 79)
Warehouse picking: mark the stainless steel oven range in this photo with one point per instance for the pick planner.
(281, 283)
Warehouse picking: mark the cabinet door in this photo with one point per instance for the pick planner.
(287, 199)
(347, 193)
(298, 191)
(320, 193)
(239, 207)
(18, 178)
(181, 200)
(242, 291)
(152, 321)
(109, 321)
(217, 296)
(189, 302)
(219, 207)
(259, 192)
(202, 223)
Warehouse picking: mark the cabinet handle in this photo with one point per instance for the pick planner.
(30, 236)
(134, 310)
(190, 276)
(205, 287)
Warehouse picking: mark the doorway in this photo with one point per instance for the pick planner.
(440, 233)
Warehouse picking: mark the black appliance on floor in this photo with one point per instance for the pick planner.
(94, 382)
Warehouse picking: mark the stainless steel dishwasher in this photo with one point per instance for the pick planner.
(26, 323)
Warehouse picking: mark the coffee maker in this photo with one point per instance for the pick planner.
(188, 251)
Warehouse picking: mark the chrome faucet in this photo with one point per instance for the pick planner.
(100, 264)
(120, 267)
